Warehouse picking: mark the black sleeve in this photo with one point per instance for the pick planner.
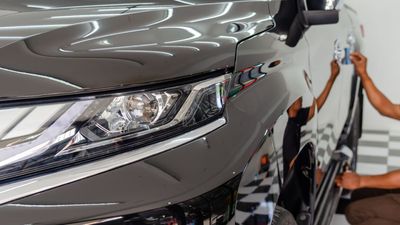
(302, 116)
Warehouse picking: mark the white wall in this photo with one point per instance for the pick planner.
(381, 20)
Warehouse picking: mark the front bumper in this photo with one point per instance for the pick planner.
(214, 207)
(175, 176)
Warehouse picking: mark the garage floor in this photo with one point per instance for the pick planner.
(378, 152)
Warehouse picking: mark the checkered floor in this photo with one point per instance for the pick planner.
(256, 200)
(378, 152)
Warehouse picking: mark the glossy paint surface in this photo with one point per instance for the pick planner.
(333, 114)
(272, 120)
(287, 69)
(66, 49)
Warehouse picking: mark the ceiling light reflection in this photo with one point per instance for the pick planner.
(123, 47)
(39, 6)
(195, 34)
(213, 43)
(239, 18)
(150, 8)
(108, 35)
(170, 13)
(269, 18)
(180, 46)
(83, 16)
(185, 2)
(234, 39)
(23, 27)
(112, 9)
(96, 27)
(11, 37)
(89, 6)
(146, 51)
(226, 9)
(105, 42)
(63, 50)
(41, 76)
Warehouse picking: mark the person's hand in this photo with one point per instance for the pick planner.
(360, 63)
(335, 69)
(319, 176)
(349, 180)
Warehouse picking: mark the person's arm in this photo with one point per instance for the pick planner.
(335, 70)
(352, 181)
(378, 100)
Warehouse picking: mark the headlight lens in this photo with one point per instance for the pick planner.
(44, 137)
(134, 113)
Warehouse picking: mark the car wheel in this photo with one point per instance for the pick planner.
(283, 217)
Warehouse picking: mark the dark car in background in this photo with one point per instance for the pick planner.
(175, 112)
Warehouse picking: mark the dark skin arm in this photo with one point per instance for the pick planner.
(352, 181)
(378, 100)
(335, 70)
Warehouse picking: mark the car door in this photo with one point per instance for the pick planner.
(294, 78)
(327, 43)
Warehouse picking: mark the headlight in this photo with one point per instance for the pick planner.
(46, 137)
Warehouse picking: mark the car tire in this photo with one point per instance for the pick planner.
(283, 217)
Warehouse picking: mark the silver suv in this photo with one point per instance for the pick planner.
(178, 112)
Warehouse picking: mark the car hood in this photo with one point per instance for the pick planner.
(53, 48)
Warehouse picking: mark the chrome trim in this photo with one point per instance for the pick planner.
(24, 188)
(194, 93)
(63, 205)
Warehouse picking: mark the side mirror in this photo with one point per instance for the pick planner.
(305, 19)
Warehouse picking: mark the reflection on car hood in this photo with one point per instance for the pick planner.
(64, 47)
(23, 18)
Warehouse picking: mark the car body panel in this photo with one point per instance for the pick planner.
(260, 189)
(129, 50)
(333, 115)
(211, 161)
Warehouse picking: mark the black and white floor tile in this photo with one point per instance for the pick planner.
(256, 200)
(378, 152)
